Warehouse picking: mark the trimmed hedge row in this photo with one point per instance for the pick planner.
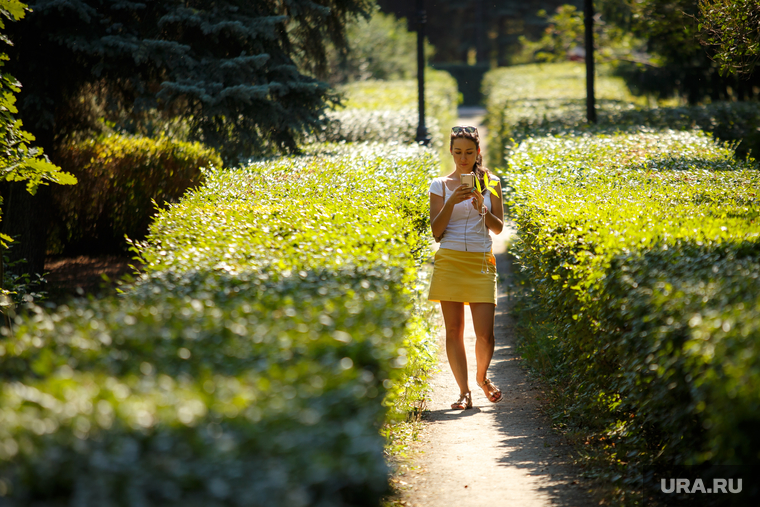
(120, 178)
(359, 125)
(538, 100)
(441, 100)
(647, 248)
(518, 97)
(249, 364)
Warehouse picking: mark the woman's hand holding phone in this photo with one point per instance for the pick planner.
(477, 201)
(462, 194)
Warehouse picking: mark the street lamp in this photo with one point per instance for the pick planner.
(422, 133)
(588, 15)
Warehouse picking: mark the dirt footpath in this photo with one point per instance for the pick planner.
(501, 454)
(494, 455)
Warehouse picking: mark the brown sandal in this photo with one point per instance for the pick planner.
(464, 402)
(491, 395)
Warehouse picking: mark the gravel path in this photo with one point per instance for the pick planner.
(501, 454)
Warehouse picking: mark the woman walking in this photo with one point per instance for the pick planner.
(463, 210)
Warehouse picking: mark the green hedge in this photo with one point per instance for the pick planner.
(441, 100)
(537, 100)
(120, 177)
(534, 93)
(250, 364)
(646, 247)
(359, 125)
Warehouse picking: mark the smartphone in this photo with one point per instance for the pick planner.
(468, 180)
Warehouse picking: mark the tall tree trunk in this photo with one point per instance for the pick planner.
(25, 219)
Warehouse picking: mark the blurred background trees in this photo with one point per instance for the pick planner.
(378, 47)
(732, 27)
(226, 70)
(656, 45)
(677, 64)
(477, 31)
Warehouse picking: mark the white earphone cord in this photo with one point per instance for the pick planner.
(485, 237)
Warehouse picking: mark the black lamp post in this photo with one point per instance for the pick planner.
(422, 133)
(588, 14)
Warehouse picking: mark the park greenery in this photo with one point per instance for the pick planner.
(121, 180)
(640, 233)
(731, 26)
(645, 247)
(254, 359)
(379, 47)
(387, 111)
(239, 74)
(276, 342)
(23, 163)
(261, 158)
(675, 61)
(563, 39)
(536, 99)
(520, 97)
(229, 68)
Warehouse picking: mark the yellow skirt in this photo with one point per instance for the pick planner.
(465, 277)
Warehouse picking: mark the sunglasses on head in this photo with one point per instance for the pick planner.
(468, 129)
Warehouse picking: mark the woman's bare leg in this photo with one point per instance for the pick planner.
(453, 318)
(483, 322)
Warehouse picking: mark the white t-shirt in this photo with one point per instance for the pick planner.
(467, 231)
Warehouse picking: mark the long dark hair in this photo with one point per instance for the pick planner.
(478, 168)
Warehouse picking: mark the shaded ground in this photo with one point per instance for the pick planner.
(70, 276)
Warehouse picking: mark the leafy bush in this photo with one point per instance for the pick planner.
(646, 248)
(120, 178)
(248, 365)
(538, 93)
(441, 99)
(535, 100)
(564, 38)
(354, 125)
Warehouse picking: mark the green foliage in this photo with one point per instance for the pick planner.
(528, 94)
(19, 162)
(228, 67)
(731, 26)
(549, 100)
(441, 100)
(483, 33)
(360, 125)
(380, 48)
(18, 286)
(120, 179)
(249, 363)
(645, 246)
(676, 64)
(564, 38)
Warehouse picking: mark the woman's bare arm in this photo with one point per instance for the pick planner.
(495, 217)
